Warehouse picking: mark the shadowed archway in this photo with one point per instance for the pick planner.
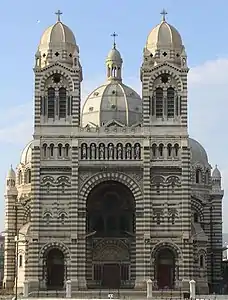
(55, 269)
(165, 268)
(111, 223)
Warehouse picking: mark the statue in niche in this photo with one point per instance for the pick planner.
(101, 151)
(119, 152)
(84, 151)
(93, 151)
(110, 151)
(137, 151)
(128, 151)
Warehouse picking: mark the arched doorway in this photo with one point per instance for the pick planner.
(55, 269)
(165, 269)
(111, 222)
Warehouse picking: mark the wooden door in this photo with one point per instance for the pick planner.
(111, 276)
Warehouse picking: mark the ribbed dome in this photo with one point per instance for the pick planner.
(57, 44)
(26, 155)
(56, 34)
(112, 101)
(164, 36)
(198, 153)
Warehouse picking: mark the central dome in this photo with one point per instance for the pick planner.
(112, 101)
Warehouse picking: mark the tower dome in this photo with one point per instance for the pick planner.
(164, 42)
(113, 101)
(216, 174)
(57, 43)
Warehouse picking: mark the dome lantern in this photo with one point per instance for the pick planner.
(114, 62)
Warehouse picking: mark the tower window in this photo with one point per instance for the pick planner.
(60, 147)
(20, 260)
(70, 55)
(198, 176)
(159, 102)
(45, 150)
(62, 103)
(164, 54)
(169, 150)
(51, 103)
(56, 54)
(201, 259)
(67, 147)
(196, 218)
(170, 102)
(154, 150)
(51, 150)
(176, 150)
(160, 149)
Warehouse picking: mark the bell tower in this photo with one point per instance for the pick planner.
(58, 76)
(164, 78)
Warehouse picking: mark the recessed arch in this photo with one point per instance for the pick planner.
(168, 245)
(52, 72)
(168, 71)
(110, 176)
(48, 246)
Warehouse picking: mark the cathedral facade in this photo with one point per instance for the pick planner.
(116, 192)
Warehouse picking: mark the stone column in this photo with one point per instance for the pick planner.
(192, 285)
(149, 289)
(68, 289)
(25, 289)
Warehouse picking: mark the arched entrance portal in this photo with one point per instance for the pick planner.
(165, 265)
(55, 269)
(111, 222)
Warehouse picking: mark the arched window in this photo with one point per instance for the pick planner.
(201, 261)
(60, 150)
(159, 102)
(176, 150)
(67, 147)
(51, 103)
(198, 176)
(169, 150)
(62, 102)
(20, 177)
(45, 150)
(161, 150)
(196, 217)
(207, 176)
(51, 150)
(20, 260)
(170, 102)
(154, 150)
(28, 176)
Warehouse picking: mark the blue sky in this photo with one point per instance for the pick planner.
(204, 30)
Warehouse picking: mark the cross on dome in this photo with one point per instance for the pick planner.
(114, 35)
(58, 13)
(163, 13)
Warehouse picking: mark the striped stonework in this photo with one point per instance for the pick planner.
(113, 206)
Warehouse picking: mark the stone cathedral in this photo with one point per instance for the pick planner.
(116, 192)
